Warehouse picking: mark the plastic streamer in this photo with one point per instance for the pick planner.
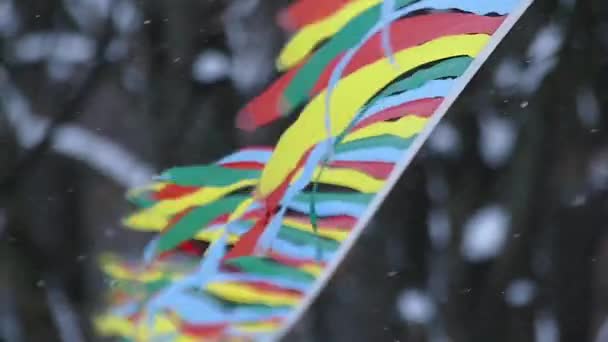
(373, 78)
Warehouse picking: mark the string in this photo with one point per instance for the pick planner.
(387, 18)
(388, 8)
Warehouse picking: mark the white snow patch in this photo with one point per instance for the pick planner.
(545, 327)
(249, 67)
(497, 139)
(63, 314)
(445, 139)
(415, 306)
(598, 170)
(485, 234)
(65, 47)
(98, 152)
(588, 107)
(533, 76)
(520, 292)
(440, 230)
(31, 48)
(9, 20)
(126, 16)
(507, 74)
(211, 66)
(88, 13)
(578, 200)
(602, 334)
(108, 158)
(546, 43)
(72, 48)
(542, 58)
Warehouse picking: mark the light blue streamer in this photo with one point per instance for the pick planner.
(292, 250)
(201, 308)
(330, 208)
(388, 8)
(371, 154)
(250, 155)
(272, 230)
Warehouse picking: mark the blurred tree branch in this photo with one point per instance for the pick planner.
(68, 110)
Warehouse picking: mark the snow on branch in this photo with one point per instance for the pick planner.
(96, 151)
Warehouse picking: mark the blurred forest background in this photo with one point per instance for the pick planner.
(496, 232)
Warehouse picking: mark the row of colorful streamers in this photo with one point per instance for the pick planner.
(245, 242)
